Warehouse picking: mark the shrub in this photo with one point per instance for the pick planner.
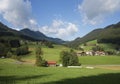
(14, 43)
(44, 63)
(4, 49)
(97, 48)
(23, 50)
(111, 52)
(9, 54)
(16, 57)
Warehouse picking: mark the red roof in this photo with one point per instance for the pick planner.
(51, 62)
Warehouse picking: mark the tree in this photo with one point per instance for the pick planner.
(64, 58)
(73, 60)
(39, 59)
(39, 54)
(49, 44)
(69, 58)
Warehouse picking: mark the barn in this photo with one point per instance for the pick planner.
(51, 63)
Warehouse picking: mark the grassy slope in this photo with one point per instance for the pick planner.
(13, 73)
(106, 47)
(48, 53)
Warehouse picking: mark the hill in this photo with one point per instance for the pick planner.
(25, 34)
(109, 34)
(40, 36)
(9, 33)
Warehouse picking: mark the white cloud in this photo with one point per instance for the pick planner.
(60, 29)
(94, 11)
(17, 12)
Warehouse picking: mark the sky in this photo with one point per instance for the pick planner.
(64, 19)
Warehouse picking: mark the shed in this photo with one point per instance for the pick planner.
(51, 63)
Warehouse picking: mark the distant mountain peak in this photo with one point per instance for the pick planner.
(40, 36)
(26, 29)
(118, 23)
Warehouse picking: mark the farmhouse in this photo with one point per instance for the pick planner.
(51, 63)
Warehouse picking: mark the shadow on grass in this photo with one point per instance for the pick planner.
(14, 79)
(111, 78)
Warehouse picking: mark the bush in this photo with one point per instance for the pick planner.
(9, 55)
(111, 52)
(14, 43)
(23, 50)
(16, 57)
(4, 49)
(97, 48)
(44, 63)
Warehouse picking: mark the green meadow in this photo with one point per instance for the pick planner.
(100, 60)
(14, 72)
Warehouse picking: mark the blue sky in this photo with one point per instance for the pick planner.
(65, 19)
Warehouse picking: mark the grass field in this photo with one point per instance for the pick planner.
(100, 60)
(48, 53)
(14, 72)
(105, 46)
(54, 54)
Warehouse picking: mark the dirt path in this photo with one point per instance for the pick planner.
(111, 67)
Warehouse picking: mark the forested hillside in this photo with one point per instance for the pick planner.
(109, 34)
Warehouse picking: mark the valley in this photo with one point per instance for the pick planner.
(18, 62)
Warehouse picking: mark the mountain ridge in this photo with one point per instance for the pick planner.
(39, 35)
(26, 34)
(108, 34)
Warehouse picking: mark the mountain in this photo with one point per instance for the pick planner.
(109, 34)
(40, 36)
(33, 34)
(9, 33)
(26, 34)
